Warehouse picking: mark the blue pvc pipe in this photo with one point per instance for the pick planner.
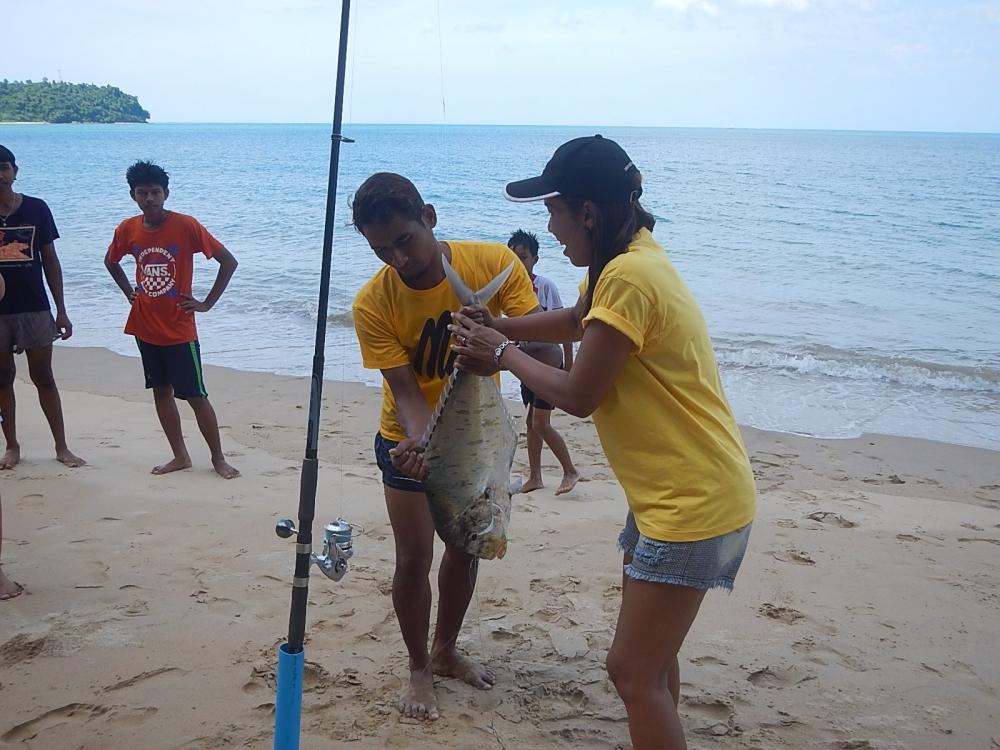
(288, 704)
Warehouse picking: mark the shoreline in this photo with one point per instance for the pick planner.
(514, 406)
(863, 615)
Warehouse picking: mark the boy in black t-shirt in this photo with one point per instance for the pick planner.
(27, 261)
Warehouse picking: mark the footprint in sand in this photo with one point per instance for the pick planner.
(793, 556)
(143, 677)
(786, 615)
(21, 648)
(700, 661)
(135, 608)
(717, 716)
(95, 574)
(978, 539)
(825, 655)
(61, 725)
(891, 479)
(32, 500)
(714, 708)
(77, 712)
(777, 678)
(831, 518)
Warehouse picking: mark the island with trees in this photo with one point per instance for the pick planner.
(56, 101)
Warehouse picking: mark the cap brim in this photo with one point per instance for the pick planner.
(532, 189)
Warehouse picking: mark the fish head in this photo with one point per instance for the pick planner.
(483, 541)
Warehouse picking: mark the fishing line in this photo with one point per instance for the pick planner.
(482, 647)
(444, 114)
(354, 57)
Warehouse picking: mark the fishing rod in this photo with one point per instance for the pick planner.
(337, 547)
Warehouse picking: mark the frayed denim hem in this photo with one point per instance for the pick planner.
(726, 584)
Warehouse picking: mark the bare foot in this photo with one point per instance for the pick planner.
(175, 464)
(454, 664)
(418, 701)
(224, 470)
(531, 485)
(10, 458)
(65, 456)
(568, 482)
(8, 588)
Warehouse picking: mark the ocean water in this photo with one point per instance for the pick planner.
(851, 280)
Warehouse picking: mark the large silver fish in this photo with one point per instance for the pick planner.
(469, 447)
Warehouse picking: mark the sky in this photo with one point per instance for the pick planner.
(829, 64)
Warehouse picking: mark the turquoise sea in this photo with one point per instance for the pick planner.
(851, 280)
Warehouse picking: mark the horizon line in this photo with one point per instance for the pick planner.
(530, 125)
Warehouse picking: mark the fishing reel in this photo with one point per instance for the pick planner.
(337, 548)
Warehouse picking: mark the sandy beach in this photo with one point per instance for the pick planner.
(865, 616)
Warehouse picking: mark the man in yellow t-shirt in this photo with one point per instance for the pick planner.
(401, 316)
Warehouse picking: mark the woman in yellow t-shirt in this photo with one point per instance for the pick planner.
(646, 370)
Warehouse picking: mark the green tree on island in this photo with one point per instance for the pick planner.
(50, 101)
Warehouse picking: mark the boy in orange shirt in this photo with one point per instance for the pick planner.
(163, 244)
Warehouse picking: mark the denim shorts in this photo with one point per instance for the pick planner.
(391, 476)
(705, 564)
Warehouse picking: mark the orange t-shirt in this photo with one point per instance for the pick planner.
(164, 268)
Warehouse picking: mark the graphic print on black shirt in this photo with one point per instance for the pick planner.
(17, 246)
(25, 234)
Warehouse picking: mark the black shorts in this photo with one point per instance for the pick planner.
(530, 399)
(391, 476)
(176, 365)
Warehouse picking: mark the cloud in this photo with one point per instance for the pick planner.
(790, 4)
(907, 52)
(682, 6)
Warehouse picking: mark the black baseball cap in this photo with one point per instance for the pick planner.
(591, 168)
(7, 155)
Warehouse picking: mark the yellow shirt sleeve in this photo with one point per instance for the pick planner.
(628, 310)
(380, 345)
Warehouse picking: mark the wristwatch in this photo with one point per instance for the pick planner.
(499, 351)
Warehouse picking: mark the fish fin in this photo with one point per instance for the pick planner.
(465, 295)
(485, 294)
(449, 385)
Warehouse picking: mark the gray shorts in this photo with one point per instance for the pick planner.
(705, 564)
(30, 330)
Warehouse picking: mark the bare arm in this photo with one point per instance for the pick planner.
(602, 355)
(227, 267)
(120, 277)
(414, 415)
(3, 287)
(411, 409)
(54, 278)
(552, 326)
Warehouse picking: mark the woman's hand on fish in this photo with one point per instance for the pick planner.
(475, 345)
(408, 457)
(478, 314)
